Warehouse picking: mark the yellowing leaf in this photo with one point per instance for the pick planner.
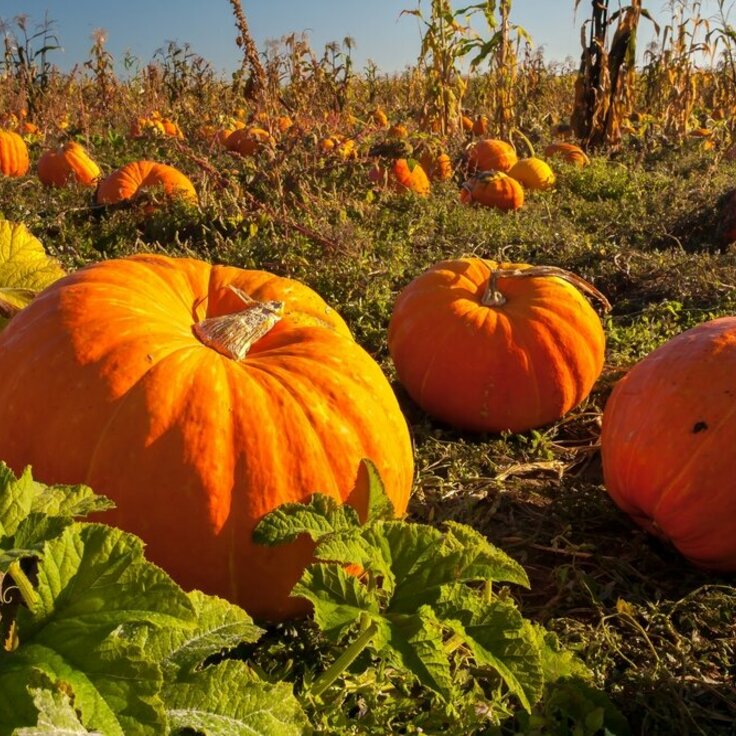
(25, 269)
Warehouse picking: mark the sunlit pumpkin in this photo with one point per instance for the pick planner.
(13, 154)
(491, 154)
(490, 347)
(134, 178)
(669, 429)
(68, 163)
(248, 141)
(198, 410)
(533, 173)
(401, 175)
(493, 189)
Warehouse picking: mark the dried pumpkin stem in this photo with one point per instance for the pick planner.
(494, 298)
(235, 333)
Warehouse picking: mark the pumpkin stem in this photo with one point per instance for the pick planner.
(235, 333)
(527, 142)
(494, 298)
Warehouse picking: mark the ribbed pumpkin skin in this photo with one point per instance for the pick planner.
(69, 163)
(667, 443)
(533, 173)
(493, 189)
(103, 382)
(13, 154)
(569, 152)
(488, 369)
(130, 179)
(491, 154)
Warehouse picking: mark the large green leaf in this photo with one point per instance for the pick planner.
(56, 716)
(94, 588)
(225, 700)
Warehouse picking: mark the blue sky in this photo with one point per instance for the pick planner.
(392, 42)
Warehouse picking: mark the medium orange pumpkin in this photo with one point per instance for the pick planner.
(490, 347)
(68, 163)
(493, 189)
(13, 154)
(491, 154)
(129, 376)
(403, 174)
(248, 141)
(138, 176)
(669, 429)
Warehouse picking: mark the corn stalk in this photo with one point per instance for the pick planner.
(604, 89)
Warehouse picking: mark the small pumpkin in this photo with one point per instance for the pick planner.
(402, 175)
(491, 154)
(68, 163)
(493, 189)
(130, 180)
(437, 165)
(199, 398)
(667, 440)
(13, 154)
(480, 125)
(489, 347)
(569, 152)
(248, 141)
(533, 173)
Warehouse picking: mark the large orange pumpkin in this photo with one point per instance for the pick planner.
(491, 347)
(13, 154)
(69, 163)
(129, 376)
(669, 429)
(130, 180)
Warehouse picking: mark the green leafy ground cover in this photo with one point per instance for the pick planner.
(657, 634)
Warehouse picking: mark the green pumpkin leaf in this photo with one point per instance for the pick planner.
(225, 700)
(379, 504)
(93, 589)
(220, 626)
(339, 599)
(56, 716)
(320, 515)
(25, 269)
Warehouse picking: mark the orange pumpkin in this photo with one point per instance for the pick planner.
(248, 141)
(138, 176)
(68, 163)
(667, 441)
(403, 174)
(493, 189)
(569, 152)
(133, 376)
(480, 125)
(533, 173)
(438, 166)
(491, 154)
(13, 154)
(489, 347)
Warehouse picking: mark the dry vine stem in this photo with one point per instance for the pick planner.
(494, 298)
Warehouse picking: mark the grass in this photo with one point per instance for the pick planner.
(658, 633)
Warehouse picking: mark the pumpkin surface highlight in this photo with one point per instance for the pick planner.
(195, 447)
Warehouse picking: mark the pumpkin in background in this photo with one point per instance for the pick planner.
(491, 347)
(199, 398)
(379, 117)
(493, 189)
(13, 154)
(138, 176)
(438, 166)
(669, 429)
(569, 152)
(491, 154)
(480, 125)
(68, 163)
(248, 141)
(402, 174)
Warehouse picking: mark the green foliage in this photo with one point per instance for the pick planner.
(422, 601)
(97, 639)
